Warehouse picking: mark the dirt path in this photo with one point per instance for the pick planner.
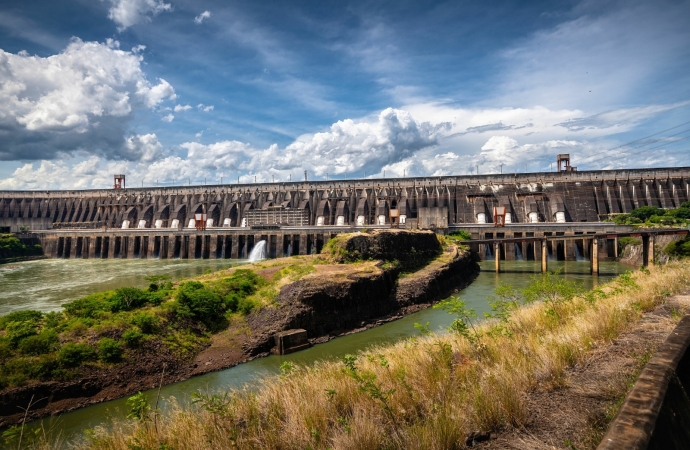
(577, 415)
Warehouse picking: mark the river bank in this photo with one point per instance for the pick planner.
(334, 300)
(441, 390)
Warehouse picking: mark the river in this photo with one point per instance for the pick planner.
(46, 284)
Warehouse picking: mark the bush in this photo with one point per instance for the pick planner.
(462, 235)
(199, 302)
(679, 249)
(147, 323)
(20, 316)
(128, 298)
(625, 241)
(645, 212)
(6, 350)
(245, 306)
(44, 342)
(89, 306)
(17, 331)
(73, 355)
(132, 337)
(109, 350)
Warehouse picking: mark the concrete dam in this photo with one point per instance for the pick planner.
(297, 218)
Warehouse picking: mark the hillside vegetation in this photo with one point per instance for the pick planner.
(12, 247)
(651, 216)
(433, 391)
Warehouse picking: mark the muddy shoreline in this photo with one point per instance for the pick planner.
(309, 303)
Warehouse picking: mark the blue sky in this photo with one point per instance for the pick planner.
(180, 91)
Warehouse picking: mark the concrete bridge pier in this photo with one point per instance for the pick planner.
(544, 256)
(648, 250)
(497, 256)
(594, 256)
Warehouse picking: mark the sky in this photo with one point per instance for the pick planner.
(176, 92)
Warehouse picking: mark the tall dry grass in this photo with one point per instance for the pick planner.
(422, 393)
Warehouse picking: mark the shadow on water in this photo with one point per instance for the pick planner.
(251, 374)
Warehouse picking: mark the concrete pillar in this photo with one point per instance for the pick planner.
(303, 244)
(171, 246)
(91, 253)
(615, 246)
(191, 249)
(235, 250)
(497, 256)
(73, 250)
(569, 248)
(594, 257)
(111, 247)
(538, 248)
(650, 251)
(212, 245)
(151, 246)
(142, 247)
(130, 246)
(544, 256)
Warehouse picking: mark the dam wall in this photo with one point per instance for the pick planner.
(298, 218)
(425, 202)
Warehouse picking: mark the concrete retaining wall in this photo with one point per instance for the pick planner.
(656, 413)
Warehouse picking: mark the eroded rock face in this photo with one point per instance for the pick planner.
(333, 305)
(409, 248)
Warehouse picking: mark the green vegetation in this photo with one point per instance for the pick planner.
(12, 247)
(430, 391)
(106, 327)
(460, 235)
(679, 249)
(625, 241)
(652, 216)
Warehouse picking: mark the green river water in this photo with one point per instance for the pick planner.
(46, 284)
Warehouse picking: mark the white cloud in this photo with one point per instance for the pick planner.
(80, 99)
(393, 142)
(169, 118)
(126, 13)
(179, 108)
(144, 148)
(205, 108)
(200, 18)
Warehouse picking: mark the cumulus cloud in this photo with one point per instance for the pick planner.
(169, 118)
(126, 13)
(80, 99)
(179, 108)
(204, 108)
(201, 17)
(391, 143)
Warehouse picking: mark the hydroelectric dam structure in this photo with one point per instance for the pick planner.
(297, 218)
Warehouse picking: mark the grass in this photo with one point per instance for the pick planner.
(424, 392)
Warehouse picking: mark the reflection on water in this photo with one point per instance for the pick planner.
(517, 273)
(46, 284)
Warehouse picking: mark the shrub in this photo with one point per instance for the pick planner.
(16, 331)
(147, 323)
(245, 306)
(89, 306)
(461, 234)
(109, 350)
(627, 240)
(73, 355)
(20, 316)
(128, 298)
(132, 337)
(54, 319)
(201, 303)
(44, 342)
(679, 248)
(6, 350)
(645, 212)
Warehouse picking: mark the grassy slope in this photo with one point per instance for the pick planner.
(112, 327)
(426, 392)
